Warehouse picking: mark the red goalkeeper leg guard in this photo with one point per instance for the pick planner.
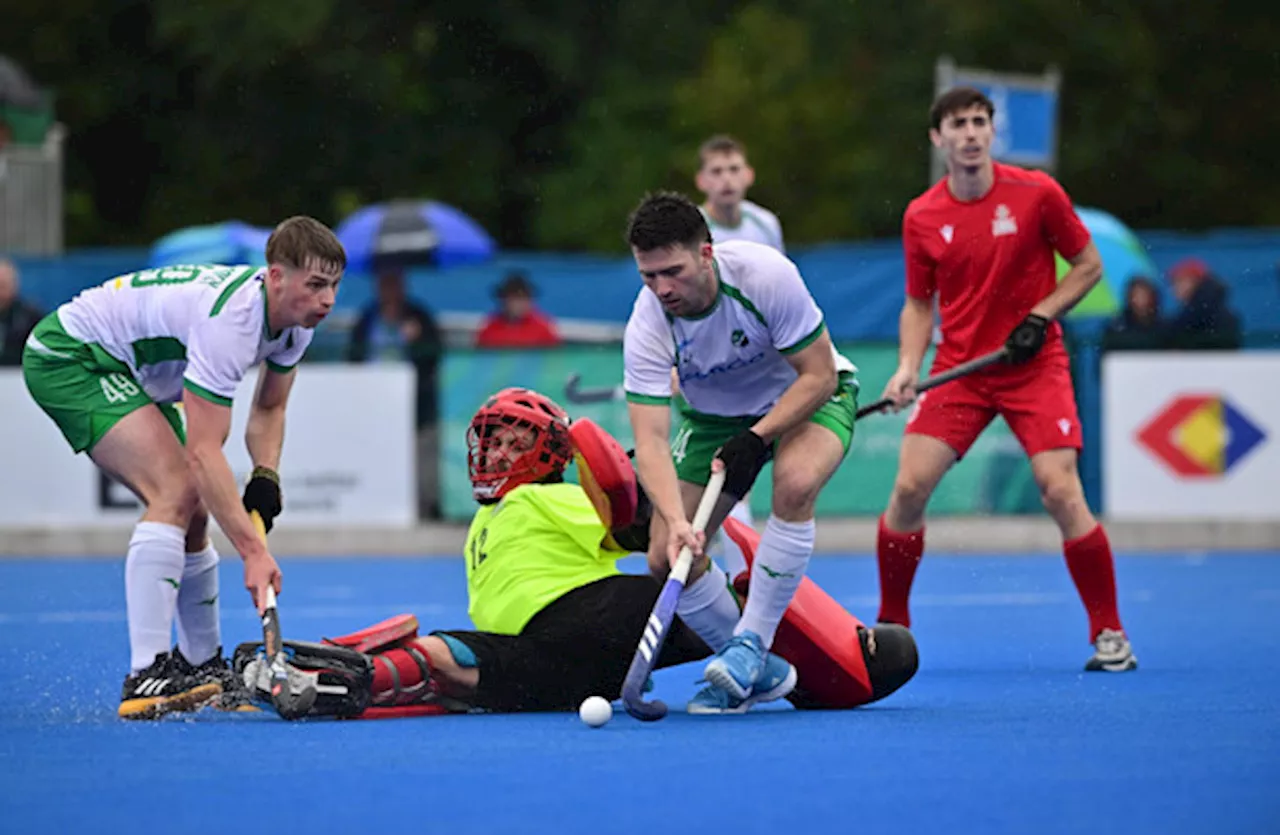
(405, 711)
(402, 676)
(402, 684)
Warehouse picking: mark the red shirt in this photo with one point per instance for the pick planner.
(989, 260)
(532, 331)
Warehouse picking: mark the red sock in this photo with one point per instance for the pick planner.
(898, 555)
(1094, 572)
(401, 676)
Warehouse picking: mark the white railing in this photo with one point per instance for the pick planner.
(31, 192)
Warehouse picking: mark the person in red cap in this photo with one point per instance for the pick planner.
(1204, 322)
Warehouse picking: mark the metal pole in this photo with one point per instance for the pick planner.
(944, 76)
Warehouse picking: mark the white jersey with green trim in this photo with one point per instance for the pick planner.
(758, 225)
(201, 327)
(732, 360)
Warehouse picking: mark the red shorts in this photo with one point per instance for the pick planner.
(1036, 400)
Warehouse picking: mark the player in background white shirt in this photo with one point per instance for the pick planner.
(723, 177)
(760, 379)
(108, 367)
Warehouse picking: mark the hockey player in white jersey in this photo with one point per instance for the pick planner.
(760, 380)
(109, 366)
(724, 176)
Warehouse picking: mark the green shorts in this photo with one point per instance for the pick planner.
(698, 436)
(83, 388)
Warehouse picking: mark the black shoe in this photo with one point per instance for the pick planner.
(164, 687)
(234, 697)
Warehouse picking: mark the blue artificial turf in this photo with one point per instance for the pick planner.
(999, 733)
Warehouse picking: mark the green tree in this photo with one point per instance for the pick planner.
(547, 123)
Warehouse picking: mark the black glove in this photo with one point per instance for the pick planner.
(1027, 339)
(744, 455)
(262, 494)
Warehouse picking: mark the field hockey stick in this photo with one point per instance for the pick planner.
(947, 376)
(664, 612)
(288, 704)
(602, 394)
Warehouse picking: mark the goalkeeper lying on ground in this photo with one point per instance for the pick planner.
(558, 622)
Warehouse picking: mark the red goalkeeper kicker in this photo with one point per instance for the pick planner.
(817, 635)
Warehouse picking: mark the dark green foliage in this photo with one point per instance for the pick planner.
(548, 121)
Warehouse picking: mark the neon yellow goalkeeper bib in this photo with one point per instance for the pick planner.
(537, 544)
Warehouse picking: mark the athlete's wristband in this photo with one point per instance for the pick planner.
(267, 473)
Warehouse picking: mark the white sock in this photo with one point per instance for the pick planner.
(709, 608)
(152, 576)
(199, 633)
(780, 564)
(734, 562)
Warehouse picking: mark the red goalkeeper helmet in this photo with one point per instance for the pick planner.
(517, 437)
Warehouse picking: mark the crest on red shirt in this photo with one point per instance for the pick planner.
(947, 232)
(1004, 222)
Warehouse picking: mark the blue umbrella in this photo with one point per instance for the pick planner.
(406, 233)
(1123, 258)
(231, 242)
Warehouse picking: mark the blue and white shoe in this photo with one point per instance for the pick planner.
(711, 700)
(738, 666)
(777, 681)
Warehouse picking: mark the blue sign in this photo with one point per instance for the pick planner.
(1026, 111)
(1026, 123)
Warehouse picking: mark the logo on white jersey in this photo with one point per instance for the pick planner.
(947, 232)
(1004, 222)
(1065, 426)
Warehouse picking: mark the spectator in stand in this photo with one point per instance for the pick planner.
(395, 328)
(1139, 326)
(517, 323)
(17, 317)
(1204, 322)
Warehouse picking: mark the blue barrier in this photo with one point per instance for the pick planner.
(858, 285)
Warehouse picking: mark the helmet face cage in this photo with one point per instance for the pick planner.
(517, 437)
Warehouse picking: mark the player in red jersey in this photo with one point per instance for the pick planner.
(981, 244)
